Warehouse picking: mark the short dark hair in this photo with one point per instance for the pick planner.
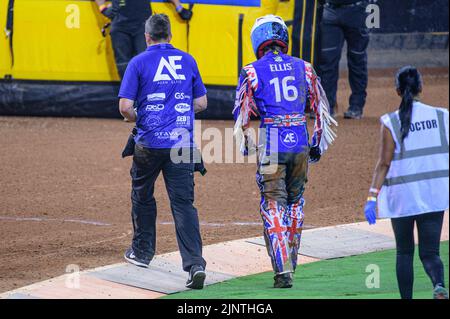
(158, 27)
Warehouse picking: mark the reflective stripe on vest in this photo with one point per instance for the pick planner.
(444, 148)
(416, 177)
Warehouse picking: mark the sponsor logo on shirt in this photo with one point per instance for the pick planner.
(153, 121)
(168, 70)
(183, 120)
(182, 107)
(289, 138)
(182, 96)
(172, 135)
(278, 59)
(156, 97)
(154, 107)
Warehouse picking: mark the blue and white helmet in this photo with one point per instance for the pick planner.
(269, 30)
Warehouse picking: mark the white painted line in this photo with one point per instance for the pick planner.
(241, 224)
(44, 219)
(98, 223)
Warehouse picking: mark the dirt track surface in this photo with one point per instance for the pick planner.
(64, 190)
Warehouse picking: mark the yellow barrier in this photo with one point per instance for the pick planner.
(5, 56)
(61, 40)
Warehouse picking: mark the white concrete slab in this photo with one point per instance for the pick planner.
(330, 243)
(162, 276)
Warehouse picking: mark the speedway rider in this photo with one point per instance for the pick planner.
(277, 87)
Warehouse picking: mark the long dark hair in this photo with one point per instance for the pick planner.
(409, 84)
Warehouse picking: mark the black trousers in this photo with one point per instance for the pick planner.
(429, 227)
(339, 25)
(127, 43)
(179, 180)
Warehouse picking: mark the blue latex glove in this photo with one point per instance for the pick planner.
(371, 212)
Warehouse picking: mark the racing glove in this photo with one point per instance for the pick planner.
(249, 147)
(314, 154)
(184, 13)
(370, 211)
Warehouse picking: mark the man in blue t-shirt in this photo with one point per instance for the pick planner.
(165, 86)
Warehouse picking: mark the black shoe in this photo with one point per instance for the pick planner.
(283, 281)
(354, 115)
(197, 276)
(133, 259)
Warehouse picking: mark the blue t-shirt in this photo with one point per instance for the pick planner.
(164, 82)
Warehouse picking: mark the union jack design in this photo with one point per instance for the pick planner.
(286, 120)
(276, 232)
(323, 133)
(312, 79)
(252, 76)
(294, 222)
(245, 103)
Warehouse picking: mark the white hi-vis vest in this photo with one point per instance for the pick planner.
(418, 179)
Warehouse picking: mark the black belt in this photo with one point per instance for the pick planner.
(337, 6)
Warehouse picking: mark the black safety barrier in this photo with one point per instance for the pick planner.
(398, 16)
(240, 50)
(191, 7)
(305, 30)
(88, 99)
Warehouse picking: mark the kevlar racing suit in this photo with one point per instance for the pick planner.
(278, 87)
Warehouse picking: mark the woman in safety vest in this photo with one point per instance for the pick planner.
(410, 183)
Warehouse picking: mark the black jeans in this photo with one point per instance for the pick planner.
(127, 43)
(429, 228)
(339, 25)
(179, 180)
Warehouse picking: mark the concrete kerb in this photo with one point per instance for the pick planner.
(228, 259)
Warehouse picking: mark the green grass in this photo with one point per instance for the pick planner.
(332, 279)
